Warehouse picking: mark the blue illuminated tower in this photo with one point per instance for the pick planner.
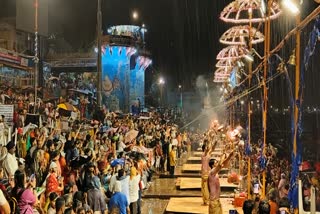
(122, 69)
(137, 81)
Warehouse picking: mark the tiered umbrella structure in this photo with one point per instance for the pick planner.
(240, 40)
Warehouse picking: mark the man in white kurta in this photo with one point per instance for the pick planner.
(10, 163)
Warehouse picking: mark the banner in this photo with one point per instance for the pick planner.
(7, 112)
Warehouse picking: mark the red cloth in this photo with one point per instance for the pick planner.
(52, 184)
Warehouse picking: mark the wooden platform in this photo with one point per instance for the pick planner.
(216, 150)
(195, 183)
(196, 159)
(195, 168)
(214, 154)
(193, 205)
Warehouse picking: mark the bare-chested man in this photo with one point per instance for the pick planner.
(205, 158)
(214, 185)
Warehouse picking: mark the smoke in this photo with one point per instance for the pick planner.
(212, 108)
(201, 84)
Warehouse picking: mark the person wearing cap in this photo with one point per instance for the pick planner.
(10, 163)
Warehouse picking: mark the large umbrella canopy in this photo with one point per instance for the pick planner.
(67, 107)
(130, 136)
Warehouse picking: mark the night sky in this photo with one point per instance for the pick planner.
(182, 34)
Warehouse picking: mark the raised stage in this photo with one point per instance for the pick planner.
(214, 154)
(196, 159)
(195, 183)
(193, 205)
(197, 168)
(216, 149)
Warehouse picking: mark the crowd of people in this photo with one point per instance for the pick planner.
(104, 165)
(97, 166)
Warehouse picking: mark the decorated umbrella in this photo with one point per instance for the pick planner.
(225, 63)
(67, 107)
(223, 72)
(237, 35)
(220, 79)
(117, 162)
(237, 11)
(130, 136)
(232, 53)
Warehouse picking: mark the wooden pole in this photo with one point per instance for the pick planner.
(296, 91)
(265, 92)
(249, 108)
(297, 83)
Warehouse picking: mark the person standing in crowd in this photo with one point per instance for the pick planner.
(205, 158)
(60, 205)
(214, 185)
(264, 207)
(96, 200)
(10, 163)
(173, 160)
(281, 187)
(158, 153)
(24, 193)
(118, 200)
(54, 183)
(134, 190)
(124, 181)
(273, 204)
(248, 206)
(4, 205)
(52, 206)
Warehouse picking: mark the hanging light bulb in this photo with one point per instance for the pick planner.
(263, 8)
(292, 59)
(249, 57)
(291, 6)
